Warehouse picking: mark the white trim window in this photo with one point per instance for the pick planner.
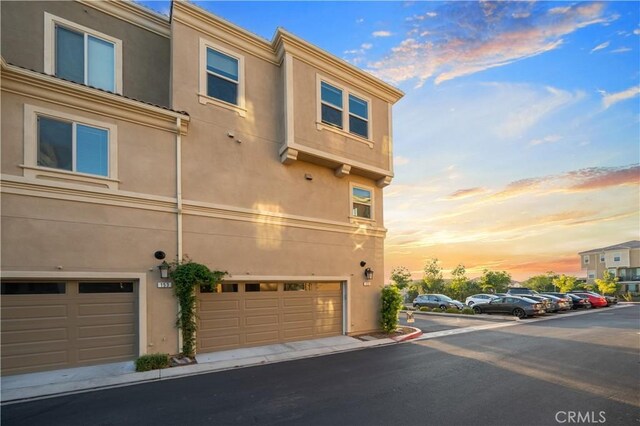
(585, 259)
(617, 257)
(221, 77)
(82, 55)
(602, 258)
(71, 147)
(343, 110)
(361, 200)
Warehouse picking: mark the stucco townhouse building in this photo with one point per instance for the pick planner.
(130, 139)
(621, 260)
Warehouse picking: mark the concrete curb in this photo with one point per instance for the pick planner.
(416, 333)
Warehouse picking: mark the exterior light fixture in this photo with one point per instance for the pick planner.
(164, 269)
(368, 274)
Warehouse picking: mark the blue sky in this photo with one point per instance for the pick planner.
(517, 144)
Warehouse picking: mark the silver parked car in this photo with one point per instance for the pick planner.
(479, 298)
(436, 301)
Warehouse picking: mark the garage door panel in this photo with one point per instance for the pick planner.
(89, 309)
(297, 317)
(262, 337)
(47, 331)
(106, 330)
(26, 336)
(96, 320)
(289, 302)
(295, 311)
(106, 354)
(220, 342)
(261, 303)
(222, 322)
(219, 305)
(32, 324)
(299, 333)
(261, 320)
(33, 311)
(24, 363)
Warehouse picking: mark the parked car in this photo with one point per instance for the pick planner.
(520, 291)
(563, 296)
(562, 302)
(611, 300)
(479, 298)
(520, 307)
(548, 304)
(436, 301)
(579, 301)
(597, 301)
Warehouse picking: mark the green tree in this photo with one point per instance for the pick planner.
(564, 283)
(459, 282)
(391, 305)
(494, 281)
(432, 281)
(542, 282)
(608, 284)
(401, 277)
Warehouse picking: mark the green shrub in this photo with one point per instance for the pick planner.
(152, 362)
(467, 311)
(391, 305)
(452, 311)
(425, 309)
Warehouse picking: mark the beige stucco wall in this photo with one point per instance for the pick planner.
(306, 104)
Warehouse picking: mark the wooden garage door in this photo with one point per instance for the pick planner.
(239, 315)
(53, 325)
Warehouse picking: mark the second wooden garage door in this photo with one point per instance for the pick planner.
(237, 315)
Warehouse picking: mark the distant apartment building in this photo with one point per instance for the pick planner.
(621, 260)
(130, 138)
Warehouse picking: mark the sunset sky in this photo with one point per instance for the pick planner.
(517, 144)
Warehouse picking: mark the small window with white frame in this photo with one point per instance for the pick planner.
(221, 77)
(616, 257)
(69, 146)
(585, 259)
(82, 55)
(591, 275)
(343, 110)
(602, 258)
(361, 202)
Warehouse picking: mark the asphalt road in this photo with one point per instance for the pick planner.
(527, 373)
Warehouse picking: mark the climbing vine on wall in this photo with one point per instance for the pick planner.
(187, 276)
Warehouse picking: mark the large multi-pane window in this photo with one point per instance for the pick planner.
(84, 58)
(361, 202)
(344, 110)
(222, 76)
(72, 146)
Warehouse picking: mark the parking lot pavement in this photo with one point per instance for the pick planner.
(434, 323)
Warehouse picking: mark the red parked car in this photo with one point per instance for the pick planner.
(596, 300)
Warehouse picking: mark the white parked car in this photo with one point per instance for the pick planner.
(479, 298)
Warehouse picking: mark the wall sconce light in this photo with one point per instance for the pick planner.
(368, 274)
(164, 269)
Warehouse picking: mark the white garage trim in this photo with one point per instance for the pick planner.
(69, 275)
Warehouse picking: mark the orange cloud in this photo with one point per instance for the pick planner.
(598, 178)
(466, 193)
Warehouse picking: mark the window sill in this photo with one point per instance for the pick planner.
(37, 172)
(361, 220)
(205, 100)
(356, 138)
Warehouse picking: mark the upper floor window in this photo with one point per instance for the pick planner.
(69, 147)
(585, 259)
(602, 258)
(616, 257)
(344, 110)
(221, 77)
(82, 55)
(73, 146)
(361, 202)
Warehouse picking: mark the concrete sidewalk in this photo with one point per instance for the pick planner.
(82, 379)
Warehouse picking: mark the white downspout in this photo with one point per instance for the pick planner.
(179, 202)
